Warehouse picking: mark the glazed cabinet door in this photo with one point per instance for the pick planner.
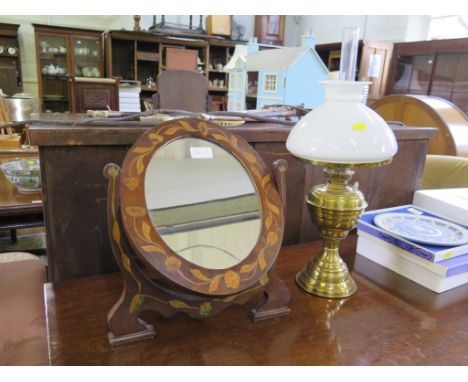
(53, 70)
(269, 29)
(374, 67)
(87, 60)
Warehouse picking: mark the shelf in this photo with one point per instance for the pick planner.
(147, 60)
(55, 99)
(56, 76)
(148, 89)
(49, 56)
(217, 71)
(3, 55)
(213, 89)
(85, 58)
(86, 55)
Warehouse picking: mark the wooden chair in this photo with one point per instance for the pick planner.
(93, 94)
(183, 90)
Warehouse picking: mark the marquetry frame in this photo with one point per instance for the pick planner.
(151, 248)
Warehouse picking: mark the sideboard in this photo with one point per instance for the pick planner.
(75, 191)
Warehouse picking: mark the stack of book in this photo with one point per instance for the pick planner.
(436, 267)
(129, 97)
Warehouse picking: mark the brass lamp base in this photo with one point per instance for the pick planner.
(335, 208)
(327, 276)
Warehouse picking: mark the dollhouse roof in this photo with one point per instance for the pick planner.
(282, 58)
(240, 51)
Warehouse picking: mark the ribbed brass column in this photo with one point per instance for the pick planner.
(335, 208)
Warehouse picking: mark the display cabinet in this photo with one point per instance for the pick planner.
(435, 68)
(220, 53)
(141, 56)
(10, 61)
(61, 53)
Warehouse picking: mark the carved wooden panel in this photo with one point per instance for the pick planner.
(93, 96)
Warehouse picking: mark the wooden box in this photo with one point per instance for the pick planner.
(220, 24)
(181, 59)
(147, 56)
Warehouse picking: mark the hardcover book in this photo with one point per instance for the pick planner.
(446, 268)
(400, 264)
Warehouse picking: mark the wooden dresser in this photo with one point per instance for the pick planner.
(75, 190)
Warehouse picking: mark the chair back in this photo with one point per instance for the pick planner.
(182, 90)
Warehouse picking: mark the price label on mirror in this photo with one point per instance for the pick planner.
(201, 153)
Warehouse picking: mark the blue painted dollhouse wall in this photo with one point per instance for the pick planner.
(301, 88)
(265, 97)
(297, 81)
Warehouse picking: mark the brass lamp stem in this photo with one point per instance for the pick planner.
(335, 208)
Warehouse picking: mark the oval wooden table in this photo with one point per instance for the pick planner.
(389, 321)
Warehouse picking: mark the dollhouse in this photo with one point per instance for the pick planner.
(287, 76)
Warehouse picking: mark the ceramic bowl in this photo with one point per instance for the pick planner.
(24, 174)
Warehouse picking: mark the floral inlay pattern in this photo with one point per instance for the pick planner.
(152, 248)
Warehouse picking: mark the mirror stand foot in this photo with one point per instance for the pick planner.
(256, 315)
(147, 333)
(275, 301)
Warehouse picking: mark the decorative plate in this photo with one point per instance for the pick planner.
(423, 229)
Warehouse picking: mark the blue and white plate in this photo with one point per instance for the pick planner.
(423, 229)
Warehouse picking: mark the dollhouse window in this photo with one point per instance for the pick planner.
(270, 83)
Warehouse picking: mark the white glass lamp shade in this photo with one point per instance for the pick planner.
(343, 129)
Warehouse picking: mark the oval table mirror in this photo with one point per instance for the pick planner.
(196, 223)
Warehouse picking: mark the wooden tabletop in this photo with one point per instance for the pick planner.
(392, 322)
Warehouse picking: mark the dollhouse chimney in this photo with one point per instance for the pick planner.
(252, 45)
(308, 41)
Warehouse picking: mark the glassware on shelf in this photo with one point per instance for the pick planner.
(150, 82)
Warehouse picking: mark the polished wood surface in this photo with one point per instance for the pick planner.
(75, 211)
(426, 111)
(390, 321)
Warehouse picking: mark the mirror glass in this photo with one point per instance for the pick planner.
(202, 203)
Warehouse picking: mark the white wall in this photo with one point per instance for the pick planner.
(328, 29)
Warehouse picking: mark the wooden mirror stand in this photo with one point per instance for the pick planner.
(158, 279)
